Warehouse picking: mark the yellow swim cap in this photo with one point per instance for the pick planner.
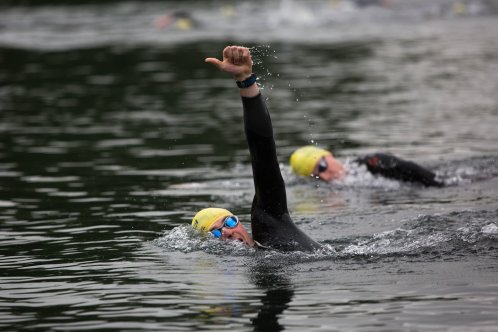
(304, 159)
(184, 24)
(205, 218)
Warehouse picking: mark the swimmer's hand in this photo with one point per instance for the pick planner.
(236, 61)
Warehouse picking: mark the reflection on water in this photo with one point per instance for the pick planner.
(114, 132)
(278, 295)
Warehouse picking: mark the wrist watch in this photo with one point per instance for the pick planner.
(247, 82)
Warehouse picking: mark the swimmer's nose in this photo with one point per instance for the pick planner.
(227, 233)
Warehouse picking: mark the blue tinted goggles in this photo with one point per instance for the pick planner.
(230, 222)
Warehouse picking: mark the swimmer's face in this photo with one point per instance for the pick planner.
(328, 169)
(238, 233)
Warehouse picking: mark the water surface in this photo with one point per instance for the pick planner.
(114, 133)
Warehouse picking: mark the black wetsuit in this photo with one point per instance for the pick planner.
(393, 167)
(270, 221)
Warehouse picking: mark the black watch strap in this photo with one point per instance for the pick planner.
(247, 82)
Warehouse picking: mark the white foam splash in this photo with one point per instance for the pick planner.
(490, 229)
(359, 176)
(185, 239)
(437, 234)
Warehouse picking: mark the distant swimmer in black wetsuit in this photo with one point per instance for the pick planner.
(271, 225)
(319, 163)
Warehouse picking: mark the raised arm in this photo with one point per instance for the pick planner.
(270, 221)
(269, 185)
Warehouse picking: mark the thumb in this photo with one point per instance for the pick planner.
(217, 63)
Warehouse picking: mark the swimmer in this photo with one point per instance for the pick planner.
(271, 224)
(181, 20)
(312, 161)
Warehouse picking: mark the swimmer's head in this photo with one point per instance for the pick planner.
(317, 162)
(205, 218)
(221, 224)
(304, 159)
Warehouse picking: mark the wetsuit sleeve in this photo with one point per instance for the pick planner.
(268, 182)
(271, 223)
(393, 167)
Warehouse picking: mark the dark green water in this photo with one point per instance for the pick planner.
(114, 133)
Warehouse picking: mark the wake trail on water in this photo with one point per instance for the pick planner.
(453, 234)
(237, 181)
(434, 235)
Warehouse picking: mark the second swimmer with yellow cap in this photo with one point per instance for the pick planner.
(312, 161)
(271, 224)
